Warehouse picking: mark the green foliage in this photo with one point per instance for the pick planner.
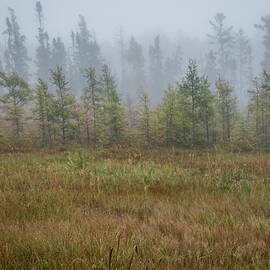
(114, 112)
(16, 97)
(195, 106)
(143, 118)
(64, 103)
(226, 107)
(43, 110)
(93, 103)
(170, 116)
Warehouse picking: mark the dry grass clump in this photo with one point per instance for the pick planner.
(134, 209)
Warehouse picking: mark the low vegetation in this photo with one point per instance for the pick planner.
(134, 209)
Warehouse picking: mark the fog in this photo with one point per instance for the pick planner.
(138, 17)
(177, 23)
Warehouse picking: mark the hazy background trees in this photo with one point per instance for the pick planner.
(135, 86)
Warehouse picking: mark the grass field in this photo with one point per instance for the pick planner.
(134, 209)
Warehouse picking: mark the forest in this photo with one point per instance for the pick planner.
(70, 94)
(144, 152)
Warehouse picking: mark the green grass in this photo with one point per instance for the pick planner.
(181, 209)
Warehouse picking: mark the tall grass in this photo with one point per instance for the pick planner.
(134, 209)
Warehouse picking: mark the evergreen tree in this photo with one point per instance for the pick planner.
(173, 66)
(223, 41)
(211, 68)
(156, 67)
(86, 52)
(265, 26)
(1, 67)
(144, 118)
(16, 96)
(16, 58)
(93, 102)
(64, 103)
(257, 109)
(59, 55)
(122, 57)
(170, 116)
(243, 51)
(206, 108)
(135, 58)
(43, 111)
(43, 53)
(250, 67)
(227, 106)
(113, 108)
(191, 89)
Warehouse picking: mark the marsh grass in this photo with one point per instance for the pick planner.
(134, 209)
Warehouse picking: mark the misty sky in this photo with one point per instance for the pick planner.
(137, 16)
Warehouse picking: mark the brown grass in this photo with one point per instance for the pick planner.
(134, 209)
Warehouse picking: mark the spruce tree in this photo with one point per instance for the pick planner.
(43, 111)
(265, 27)
(144, 118)
(64, 103)
(211, 68)
(156, 68)
(243, 54)
(222, 39)
(43, 53)
(93, 102)
(113, 109)
(173, 66)
(59, 54)
(86, 52)
(135, 59)
(1, 67)
(17, 95)
(191, 89)
(16, 58)
(170, 116)
(227, 107)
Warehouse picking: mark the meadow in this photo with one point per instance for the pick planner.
(134, 209)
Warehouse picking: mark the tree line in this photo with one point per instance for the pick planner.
(73, 95)
(189, 115)
(229, 55)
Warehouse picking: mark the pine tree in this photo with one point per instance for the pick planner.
(16, 97)
(191, 88)
(1, 67)
(113, 108)
(265, 26)
(156, 67)
(16, 58)
(170, 116)
(64, 103)
(227, 106)
(144, 118)
(223, 41)
(206, 108)
(42, 111)
(86, 52)
(243, 51)
(43, 53)
(173, 66)
(135, 59)
(256, 107)
(122, 57)
(211, 68)
(250, 68)
(59, 55)
(93, 102)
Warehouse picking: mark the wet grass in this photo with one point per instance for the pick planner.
(134, 209)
